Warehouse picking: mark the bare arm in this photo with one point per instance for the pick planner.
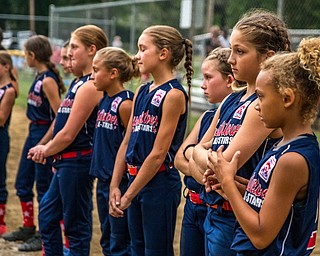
(86, 99)
(288, 182)
(181, 162)
(115, 193)
(6, 105)
(173, 106)
(247, 140)
(50, 89)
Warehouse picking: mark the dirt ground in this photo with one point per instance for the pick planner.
(13, 218)
(18, 132)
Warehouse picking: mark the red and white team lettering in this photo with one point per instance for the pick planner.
(145, 122)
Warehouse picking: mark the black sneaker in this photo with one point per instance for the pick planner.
(31, 245)
(22, 234)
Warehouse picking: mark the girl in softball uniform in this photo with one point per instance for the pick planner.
(257, 36)
(70, 193)
(43, 103)
(112, 67)
(7, 98)
(157, 126)
(217, 82)
(278, 214)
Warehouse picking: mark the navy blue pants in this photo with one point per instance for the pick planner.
(4, 151)
(192, 239)
(152, 215)
(115, 239)
(29, 171)
(219, 227)
(69, 198)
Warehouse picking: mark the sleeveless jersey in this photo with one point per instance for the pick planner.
(108, 135)
(2, 93)
(189, 181)
(232, 114)
(85, 136)
(298, 234)
(146, 121)
(38, 108)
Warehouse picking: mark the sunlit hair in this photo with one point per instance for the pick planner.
(113, 57)
(220, 56)
(91, 35)
(170, 38)
(5, 59)
(264, 30)
(299, 71)
(40, 46)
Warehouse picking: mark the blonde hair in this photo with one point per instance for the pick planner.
(170, 38)
(113, 57)
(299, 71)
(91, 35)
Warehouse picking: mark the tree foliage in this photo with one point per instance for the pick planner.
(297, 13)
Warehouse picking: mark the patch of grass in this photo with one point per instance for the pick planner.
(26, 77)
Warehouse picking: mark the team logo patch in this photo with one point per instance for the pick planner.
(37, 86)
(76, 86)
(240, 111)
(115, 103)
(158, 97)
(1, 93)
(266, 169)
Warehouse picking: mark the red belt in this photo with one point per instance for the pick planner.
(225, 206)
(72, 154)
(133, 170)
(194, 197)
(40, 122)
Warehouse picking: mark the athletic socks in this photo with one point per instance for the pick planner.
(2, 213)
(66, 240)
(27, 210)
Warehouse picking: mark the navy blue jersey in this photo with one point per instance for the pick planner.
(298, 234)
(2, 93)
(206, 120)
(232, 114)
(38, 108)
(84, 138)
(146, 121)
(108, 135)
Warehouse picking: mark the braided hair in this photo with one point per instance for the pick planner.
(264, 30)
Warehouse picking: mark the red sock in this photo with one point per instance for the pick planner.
(2, 213)
(27, 210)
(66, 240)
(43, 253)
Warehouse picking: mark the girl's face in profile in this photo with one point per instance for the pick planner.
(214, 85)
(101, 75)
(244, 58)
(148, 55)
(270, 102)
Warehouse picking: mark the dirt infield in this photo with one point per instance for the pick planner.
(18, 133)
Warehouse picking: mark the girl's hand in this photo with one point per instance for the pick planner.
(37, 154)
(114, 202)
(124, 203)
(224, 170)
(210, 181)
